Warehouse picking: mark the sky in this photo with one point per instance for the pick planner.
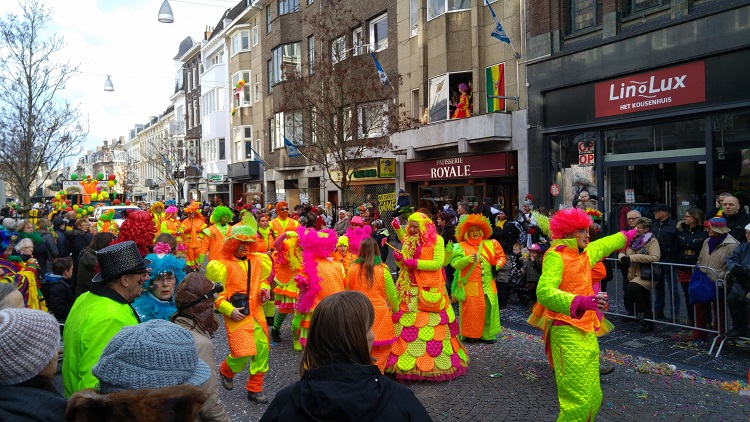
(124, 39)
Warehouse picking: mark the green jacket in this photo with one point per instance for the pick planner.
(95, 318)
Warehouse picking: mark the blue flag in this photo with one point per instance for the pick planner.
(256, 156)
(381, 72)
(291, 149)
(498, 32)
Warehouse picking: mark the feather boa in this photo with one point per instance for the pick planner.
(149, 307)
(356, 235)
(316, 246)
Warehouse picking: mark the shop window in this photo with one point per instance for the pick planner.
(444, 95)
(731, 154)
(643, 142)
(572, 167)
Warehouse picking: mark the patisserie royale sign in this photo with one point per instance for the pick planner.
(673, 86)
(495, 164)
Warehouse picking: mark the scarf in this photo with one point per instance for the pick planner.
(713, 242)
(640, 241)
(264, 235)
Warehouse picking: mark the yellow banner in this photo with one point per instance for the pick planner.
(387, 202)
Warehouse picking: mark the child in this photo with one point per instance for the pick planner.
(516, 272)
(533, 270)
(56, 288)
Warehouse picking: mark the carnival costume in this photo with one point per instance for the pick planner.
(384, 300)
(567, 312)
(194, 236)
(347, 259)
(320, 276)
(217, 231)
(264, 245)
(163, 262)
(172, 225)
(474, 260)
(287, 261)
(106, 224)
(427, 347)
(139, 228)
(282, 223)
(89, 188)
(247, 277)
(356, 232)
(463, 108)
(157, 215)
(21, 274)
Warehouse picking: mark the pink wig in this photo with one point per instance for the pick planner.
(567, 221)
(316, 245)
(139, 228)
(356, 235)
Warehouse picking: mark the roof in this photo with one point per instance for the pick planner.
(185, 45)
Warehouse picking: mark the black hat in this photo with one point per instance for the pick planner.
(119, 259)
(662, 207)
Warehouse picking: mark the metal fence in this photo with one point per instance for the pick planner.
(616, 291)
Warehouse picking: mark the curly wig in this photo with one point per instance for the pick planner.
(165, 263)
(139, 228)
(427, 231)
(567, 221)
(5, 239)
(156, 205)
(219, 212)
(280, 205)
(316, 245)
(542, 221)
(171, 210)
(470, 220)
(240, 234)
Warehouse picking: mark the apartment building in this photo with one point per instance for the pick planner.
(638, 102)
(192, 68)
(444, 46)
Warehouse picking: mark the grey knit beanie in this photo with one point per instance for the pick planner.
(29, 340)
(154, 354)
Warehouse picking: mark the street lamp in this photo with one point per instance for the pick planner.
(165, 13)
(108, 85)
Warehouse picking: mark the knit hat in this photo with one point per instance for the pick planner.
(718, 225)
(29, 340)
(343, 240)
(153, 354)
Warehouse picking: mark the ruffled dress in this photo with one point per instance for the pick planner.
(427, 345)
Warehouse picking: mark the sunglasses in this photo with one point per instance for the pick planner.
(285, 209)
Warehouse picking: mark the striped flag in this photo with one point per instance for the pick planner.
(497, 32)
(495, 80)
(381, 73)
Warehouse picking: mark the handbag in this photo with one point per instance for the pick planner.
(241, 300)
(652, 275)
(701, 288)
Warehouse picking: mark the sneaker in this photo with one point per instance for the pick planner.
(276, 335)
(226, 382)
(258, 397)
(605, 369)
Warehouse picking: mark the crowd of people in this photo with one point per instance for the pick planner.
(139, 306)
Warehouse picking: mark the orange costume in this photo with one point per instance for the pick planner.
(171, 225)
(463, 108)
(347, 258)
(217, 231)
(89, 188)
(194, 236)
(282, 223)
(381, 294)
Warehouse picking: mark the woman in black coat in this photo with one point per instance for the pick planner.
(690, 237)
(339, 381)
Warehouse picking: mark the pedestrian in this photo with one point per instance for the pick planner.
(147, 372)
(568, 311)
(422, 297)
(45, 254)
(245, 277)
(338, 379)
(29, 344)
(736, 217)
(639, 257)
(100, 313)
(380, 234)
(372, 277)
(87, 264)
(56, 288)
(220, 220)
(59, 231)
(690, 237)
(665, 230)
(194, 298)
(474, 258)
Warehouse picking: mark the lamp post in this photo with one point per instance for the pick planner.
(165, 13)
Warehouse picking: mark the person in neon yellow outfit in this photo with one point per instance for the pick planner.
(567, 311)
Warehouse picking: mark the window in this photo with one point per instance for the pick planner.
(257, 92)
(211, 149)
(416, 113)
(373, 119)
(244, 98)
(240, 42)
(379, 32)
(437, 8)
(338, 50)
(272, 134)
(287, 6)
(255, 35)
(214, 101)
(197, 111)
(636, 6)
(285, 58)
(357, 42)
(268, 19)
(286, 125)
(216, 58)
(311, 53)
(243, 138)
(413, 17)
(583, 14)
(222, 149)
(269, 70)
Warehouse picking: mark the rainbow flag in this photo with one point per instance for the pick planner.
(495, 83)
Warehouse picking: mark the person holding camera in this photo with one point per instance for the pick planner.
(244, 273)
(194, 298)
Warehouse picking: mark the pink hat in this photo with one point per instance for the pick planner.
(357, 221)
(535, 248)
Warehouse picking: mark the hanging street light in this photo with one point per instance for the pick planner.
(165, 13)
(108, 85)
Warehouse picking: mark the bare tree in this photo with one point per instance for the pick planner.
(167, 155)
(346, 111)
(36, 128)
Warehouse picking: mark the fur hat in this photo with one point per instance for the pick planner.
(29, 339)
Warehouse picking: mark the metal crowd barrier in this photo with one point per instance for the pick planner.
(616, 286)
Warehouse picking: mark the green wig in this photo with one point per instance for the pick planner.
(220, 212)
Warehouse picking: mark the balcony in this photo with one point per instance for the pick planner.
(475, 129)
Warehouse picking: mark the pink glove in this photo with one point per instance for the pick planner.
(265, 295)
(396, 225)
(588, 303)
(398, 256)
(411, 263)
(629, 236)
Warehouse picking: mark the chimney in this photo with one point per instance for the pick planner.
(106, 144)
(207, 33)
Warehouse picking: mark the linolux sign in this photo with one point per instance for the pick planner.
(673, 86)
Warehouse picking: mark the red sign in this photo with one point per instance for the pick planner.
(586, 159)
(457, 168)
(674, 86)
(554, 190)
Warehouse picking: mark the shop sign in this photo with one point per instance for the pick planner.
(457, 168)
(387, 167)
(586, 153)
(554, 190)
(629, 196)
(215, 178)
(365, 173)
(387, 202)
(674, 86)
